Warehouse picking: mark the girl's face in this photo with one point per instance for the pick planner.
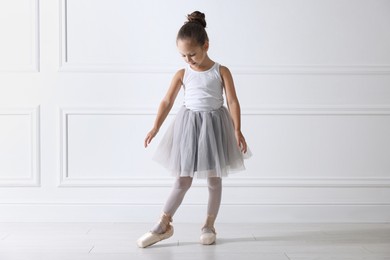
(192, 52)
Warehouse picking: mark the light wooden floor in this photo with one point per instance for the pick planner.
(116, 241)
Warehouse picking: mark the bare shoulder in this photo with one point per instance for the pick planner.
(178, 78)
(226, 76)
(224, 70)
(179, 73)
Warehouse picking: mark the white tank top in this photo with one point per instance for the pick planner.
(203, 89)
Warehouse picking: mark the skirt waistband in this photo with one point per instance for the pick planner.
(203, 111)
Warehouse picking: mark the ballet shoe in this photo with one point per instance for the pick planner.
(208, 236)
(151, 238)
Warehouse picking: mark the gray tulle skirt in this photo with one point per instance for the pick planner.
(201, 144)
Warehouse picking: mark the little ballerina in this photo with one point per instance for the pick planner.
(205, 138)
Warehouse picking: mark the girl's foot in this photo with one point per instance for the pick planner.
(163, 230)
(208, 236)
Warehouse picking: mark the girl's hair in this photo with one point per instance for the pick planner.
(194, 28)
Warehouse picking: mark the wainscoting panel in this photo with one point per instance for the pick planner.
(19, 27)
(259, 37)
(19, 149)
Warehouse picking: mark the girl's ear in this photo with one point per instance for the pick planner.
(206, 46)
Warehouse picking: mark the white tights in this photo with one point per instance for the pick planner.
(180, 187)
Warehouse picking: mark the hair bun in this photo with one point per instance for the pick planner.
(197, 17)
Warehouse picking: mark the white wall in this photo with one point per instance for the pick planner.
(81, 80)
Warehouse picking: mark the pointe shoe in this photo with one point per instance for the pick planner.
(208, 236)
(151, 238)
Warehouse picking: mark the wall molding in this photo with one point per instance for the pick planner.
(272, 109)
(230, 182)
(63, 34)
(113, 203)
(342, 69)
(34, 179)
(301, 110)
(194, 213)
(370, 110)
(305, 69)
(35, 45)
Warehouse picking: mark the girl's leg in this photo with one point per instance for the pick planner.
(180, 187)
(215, 195)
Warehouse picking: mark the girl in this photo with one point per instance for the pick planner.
(204, 139)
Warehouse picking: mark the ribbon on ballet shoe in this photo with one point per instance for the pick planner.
(151, 238)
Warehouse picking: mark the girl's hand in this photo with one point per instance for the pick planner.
(152, 133)
(241, 141)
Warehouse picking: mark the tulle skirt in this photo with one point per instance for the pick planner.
(201, 144)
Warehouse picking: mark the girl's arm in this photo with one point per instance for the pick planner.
(234, 106)
(165, 106)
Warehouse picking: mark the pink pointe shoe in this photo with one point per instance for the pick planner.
(151, 238)
(208, 236)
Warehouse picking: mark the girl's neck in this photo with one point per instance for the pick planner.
(206, 65)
